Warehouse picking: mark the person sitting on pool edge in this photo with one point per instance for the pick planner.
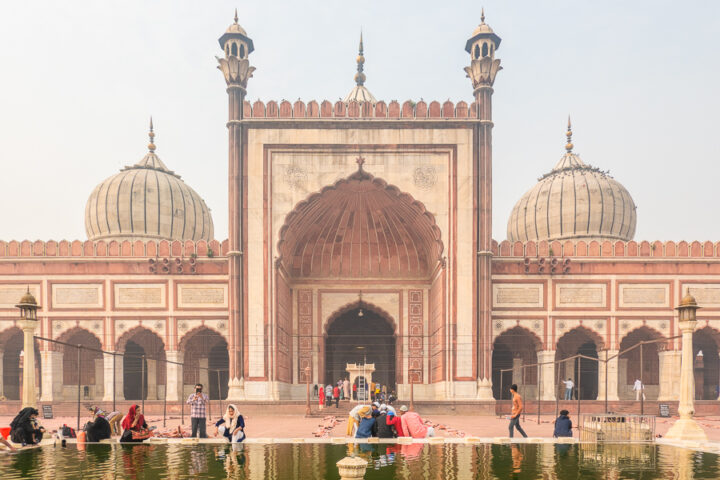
(231, 425)
(99, 428)
(24, 428)
(563, 425)
(367, 427)
(135, 429)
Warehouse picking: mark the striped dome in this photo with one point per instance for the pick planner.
(147, 201)
(574, 201)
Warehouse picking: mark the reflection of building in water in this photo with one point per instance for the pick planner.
(626, 457)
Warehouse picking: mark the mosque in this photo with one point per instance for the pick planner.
(359, 231)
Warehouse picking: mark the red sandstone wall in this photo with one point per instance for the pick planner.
(283, 331)
(436, 322)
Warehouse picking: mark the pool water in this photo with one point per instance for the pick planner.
(385, 461)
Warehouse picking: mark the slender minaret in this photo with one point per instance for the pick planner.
(482, 70)
(237, 70)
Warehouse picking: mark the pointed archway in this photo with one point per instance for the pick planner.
(511, 350)
(584, 370)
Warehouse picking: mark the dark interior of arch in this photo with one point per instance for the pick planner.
(514, 343)
(350, 331)
(706, 366)
(208, 344)
(583, 371)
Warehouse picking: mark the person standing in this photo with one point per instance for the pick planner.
(346, 388)
(321, 400)
(336, 396)
(517, 408)
(354, 391)
(328, 394)
(569, 385)
(198, 411)
(639, 387)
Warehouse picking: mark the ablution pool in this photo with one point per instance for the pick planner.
(304, 461)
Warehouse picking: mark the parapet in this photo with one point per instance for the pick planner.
(593, 248)
(365, 110)
(113, 248)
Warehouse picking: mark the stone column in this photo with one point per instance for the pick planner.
(482, 72)
(612, 376)
(686, 428)
(549, 387)
(52, 375)
(517, 372)
(622, 378)
(237, 71)
(29, 392)
(669, 379)
(151, 376)
(97, 390)
(108, 378)
(174, 376)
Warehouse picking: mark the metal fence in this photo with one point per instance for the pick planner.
(611, 428)
(181, 401)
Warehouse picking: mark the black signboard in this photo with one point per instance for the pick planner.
(47, 411)
(664, 410)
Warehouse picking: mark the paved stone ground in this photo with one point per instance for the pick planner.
(298, 426)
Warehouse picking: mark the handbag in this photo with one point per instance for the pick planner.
(141, 434)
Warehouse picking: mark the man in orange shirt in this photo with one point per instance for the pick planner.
(517, 407)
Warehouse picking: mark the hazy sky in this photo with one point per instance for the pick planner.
(80, 79)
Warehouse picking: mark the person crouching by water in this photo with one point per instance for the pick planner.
(24, 428)
(231, 425)
(134, 427)
(367, 427)
(98, 428)
(563, 425)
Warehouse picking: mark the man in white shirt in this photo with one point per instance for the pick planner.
(569, 384)
(639, 387)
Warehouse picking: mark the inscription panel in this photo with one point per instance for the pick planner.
(644, 295)
(202, 295)
(526, 295)
(139, 296)
(72, 295)
(10, 295)
(706, 294)
(581, 295)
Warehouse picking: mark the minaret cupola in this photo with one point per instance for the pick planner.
(483, 42)
(235, 41)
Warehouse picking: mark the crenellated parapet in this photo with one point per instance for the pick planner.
(341, 110)
(113, 248)
(593, 248)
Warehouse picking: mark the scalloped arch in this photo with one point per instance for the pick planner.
(190, 334)
(356, 304)
(360, 226)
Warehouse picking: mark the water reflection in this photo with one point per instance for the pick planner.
(385, 461)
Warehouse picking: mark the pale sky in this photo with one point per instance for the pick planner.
(80, 78)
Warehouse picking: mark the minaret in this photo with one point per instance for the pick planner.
(237, 70)
(482, 70)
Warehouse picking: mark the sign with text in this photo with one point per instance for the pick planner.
(47, 412)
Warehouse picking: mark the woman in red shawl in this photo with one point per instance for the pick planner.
(134, 422)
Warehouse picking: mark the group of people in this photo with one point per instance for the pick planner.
(383, 421)
(341, 390)
(563, 424)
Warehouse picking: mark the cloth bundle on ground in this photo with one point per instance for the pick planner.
(23, 428)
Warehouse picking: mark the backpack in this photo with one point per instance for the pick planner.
(68, 432)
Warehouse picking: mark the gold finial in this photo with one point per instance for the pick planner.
(482, 15)
(569, 145)
(236, 17)
(360, 76)
(151, 145)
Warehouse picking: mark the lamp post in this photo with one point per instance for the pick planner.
(686, 428)
(307, 378)
(28, 323)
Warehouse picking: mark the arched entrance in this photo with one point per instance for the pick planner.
(144, 352)
(583, 371)
(707, 363)
(90, 369)
(206, 361)
(641, 363)
(360, 335)
(11, 344)
(511, 350)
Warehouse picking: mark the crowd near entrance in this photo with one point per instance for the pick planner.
(360, 336)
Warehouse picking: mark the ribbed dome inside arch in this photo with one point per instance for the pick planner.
(361, 226)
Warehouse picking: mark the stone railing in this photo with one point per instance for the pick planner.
(339, 109)
(580, 248)
(112, 248)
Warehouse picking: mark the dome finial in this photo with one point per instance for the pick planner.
(151, 134)
(569, 145)
(482, 15)
(360, 76)
(236, 17)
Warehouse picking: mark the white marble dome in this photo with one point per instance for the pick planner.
(574, 201)
(147, 201)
